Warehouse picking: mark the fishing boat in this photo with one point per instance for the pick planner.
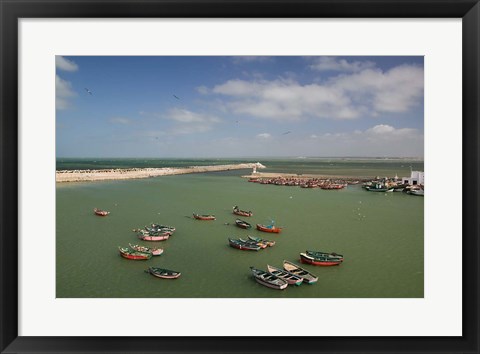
(379, 188)
(160, 228)
(269, 243)
(288, 277)
(320, 260)
(269, 228)
(243, 224)
(295, 269)
(237, 211)
(163, 273)
(243, 245)
(259, 244)
(204, 217)
(100, 212)
(268, 279)
(153, 251)
(146, 236)
(332, 255)
(419, 192)
(132, 254)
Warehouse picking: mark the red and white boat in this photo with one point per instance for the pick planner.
(269, 228)
(132, 254)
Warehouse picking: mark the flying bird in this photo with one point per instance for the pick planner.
(286, 133)
(88, 91)
(176, 97)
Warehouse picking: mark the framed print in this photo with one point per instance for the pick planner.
(216, 176)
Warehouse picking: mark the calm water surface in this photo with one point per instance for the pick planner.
(380, 235)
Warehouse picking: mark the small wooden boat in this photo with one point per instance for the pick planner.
(259, 244)
(160, 228)
(243, 245)
(419, 192)
(332, 255)
(237, 211)
(379, 188)
(320, 260)
(243, 224)
(146, 236)
(153, 251)
(295, 269)
(100, 212)
(269, 228)
(153, 232)
(163, 273)
(268, 279)
(288, 277)
(132, 254)
(269, 243)
(204, 217)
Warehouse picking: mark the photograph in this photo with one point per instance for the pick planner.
(239, 176)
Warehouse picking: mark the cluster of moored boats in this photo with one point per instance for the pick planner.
(327, 184)
(273, 277)
(154, 232)
(393, 186)
(293, 274)
(252, 243)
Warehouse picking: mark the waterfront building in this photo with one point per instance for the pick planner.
(416, 177)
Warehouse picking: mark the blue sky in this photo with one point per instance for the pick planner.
(239, 106)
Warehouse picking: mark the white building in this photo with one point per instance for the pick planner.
(416, 177)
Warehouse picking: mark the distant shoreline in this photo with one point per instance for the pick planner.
(63, 176)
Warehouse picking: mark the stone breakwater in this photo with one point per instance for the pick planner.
(133, 173)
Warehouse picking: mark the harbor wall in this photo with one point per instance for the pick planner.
(133, 173)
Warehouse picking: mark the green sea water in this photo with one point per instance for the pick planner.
(380, 234)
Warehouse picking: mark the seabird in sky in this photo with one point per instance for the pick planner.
(88, 91)
(176, 97)
(286, 133)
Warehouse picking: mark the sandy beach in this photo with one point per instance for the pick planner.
(133, 173)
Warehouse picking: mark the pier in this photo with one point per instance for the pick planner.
(135, 173)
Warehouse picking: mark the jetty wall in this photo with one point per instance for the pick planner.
(133, 173)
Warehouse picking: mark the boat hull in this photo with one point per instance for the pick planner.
(308, 277)
(163, 275)
(273, 229)
(204, 217)
(317, 262)
(154, 238)
(135, 256)
(243, 246)
(271, 286)
(243, 224)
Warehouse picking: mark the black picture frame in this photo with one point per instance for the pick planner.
(12, 11)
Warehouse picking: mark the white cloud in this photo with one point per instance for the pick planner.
(335, 64)
(396, 90)
(64, 64)
(264, 136)
(379, 140)
(348, 96)
(63, 92)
